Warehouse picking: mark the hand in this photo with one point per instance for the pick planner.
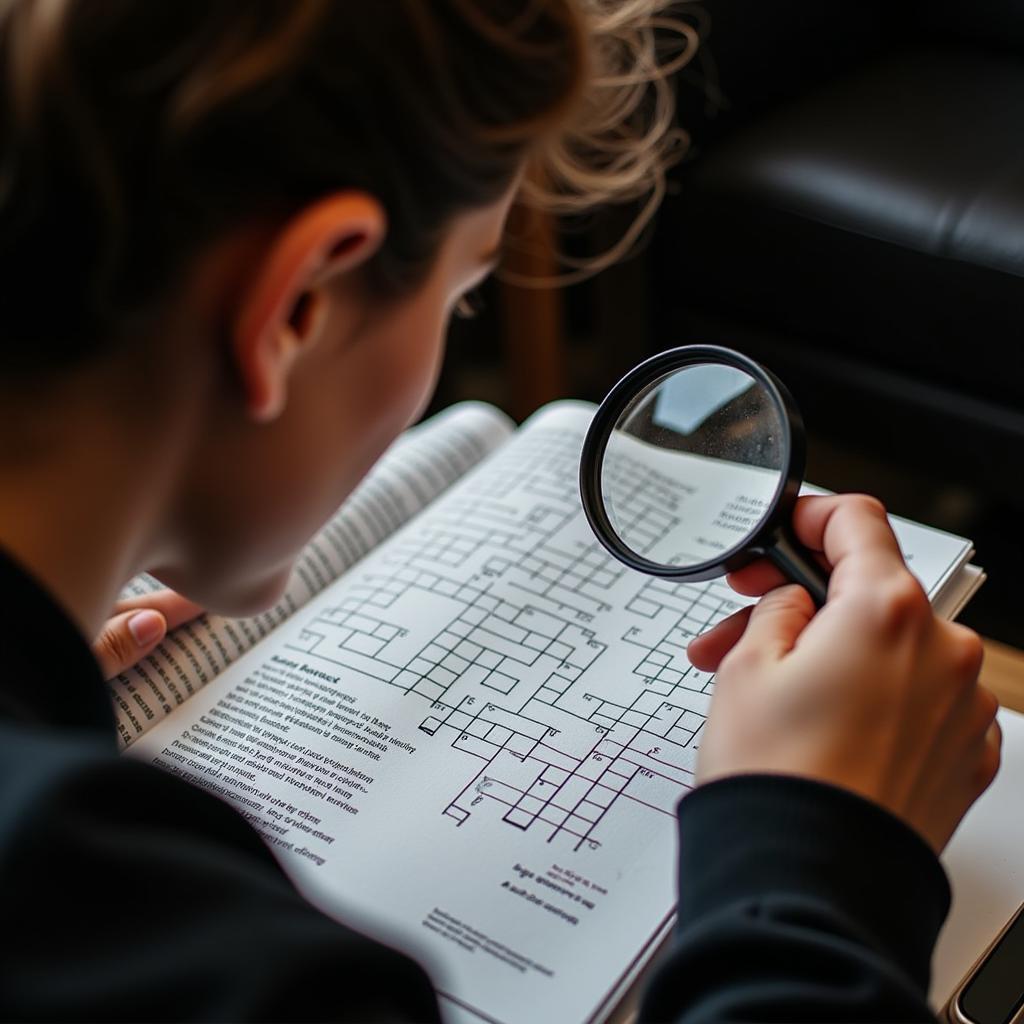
(136, 626)
(873, 693)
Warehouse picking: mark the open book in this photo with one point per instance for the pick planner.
(465, 728)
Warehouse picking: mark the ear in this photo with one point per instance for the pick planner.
(283, 300)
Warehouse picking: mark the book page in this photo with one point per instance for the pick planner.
(984, 863)
(676, 507)
(421, 464)
(472, 745)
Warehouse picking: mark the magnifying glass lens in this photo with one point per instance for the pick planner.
(693, 465)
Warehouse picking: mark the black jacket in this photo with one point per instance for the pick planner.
(128, 895)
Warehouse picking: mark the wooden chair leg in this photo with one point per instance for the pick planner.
(533, 319)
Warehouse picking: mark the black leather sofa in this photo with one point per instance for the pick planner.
(852, 213)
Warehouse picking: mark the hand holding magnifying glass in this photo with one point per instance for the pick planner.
(691, 468)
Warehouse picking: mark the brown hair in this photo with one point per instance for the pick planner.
(136, 131)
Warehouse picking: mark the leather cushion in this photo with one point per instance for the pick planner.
(994, 23)
(884, 215)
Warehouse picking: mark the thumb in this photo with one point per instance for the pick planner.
(775, 623)
(127, 638)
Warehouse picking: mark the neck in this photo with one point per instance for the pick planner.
(86, 476)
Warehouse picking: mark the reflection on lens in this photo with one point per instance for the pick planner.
(693, 465)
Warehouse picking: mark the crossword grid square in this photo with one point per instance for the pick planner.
(519, 818)
(678, 734)
(501, 682)
(576, 824)
(479, 728)
(643, 607)
(364, 644)
(602, 796)
(432, 691)
(690, 720)
(520, 744)
(468, 593)
(553, 815)
(442, 676)
(361, 622)
(489, 659)
(530, 803)
(455, 664)
(469, 651)
(588, 811)
(555, 775)
(500, 735)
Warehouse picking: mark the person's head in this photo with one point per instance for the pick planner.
(253, 221)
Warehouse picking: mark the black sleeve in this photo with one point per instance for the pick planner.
(130, 895)
(798, 901)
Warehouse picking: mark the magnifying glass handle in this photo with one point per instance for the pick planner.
(799, 565)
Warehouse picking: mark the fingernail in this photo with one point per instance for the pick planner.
(145, 627)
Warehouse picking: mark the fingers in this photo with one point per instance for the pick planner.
(137, 625)
(775, 623)
(994, 752)
(127, 638)
(788, 613)
(175, 609)
(982, 761)
(835, 528)
(853, 532)
(707, 650)
(756, 579)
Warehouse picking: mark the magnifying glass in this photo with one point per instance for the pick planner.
(692, 465)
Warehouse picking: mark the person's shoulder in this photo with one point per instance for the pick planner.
(71, 782)
(96, 846)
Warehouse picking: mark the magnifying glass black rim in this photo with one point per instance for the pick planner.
(625, 391)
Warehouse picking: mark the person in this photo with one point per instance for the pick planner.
(231, 237)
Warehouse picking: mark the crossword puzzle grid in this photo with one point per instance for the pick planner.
(643, 504)
(513, 678)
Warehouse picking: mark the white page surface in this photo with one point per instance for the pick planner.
(471, 746)
(985, 863)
